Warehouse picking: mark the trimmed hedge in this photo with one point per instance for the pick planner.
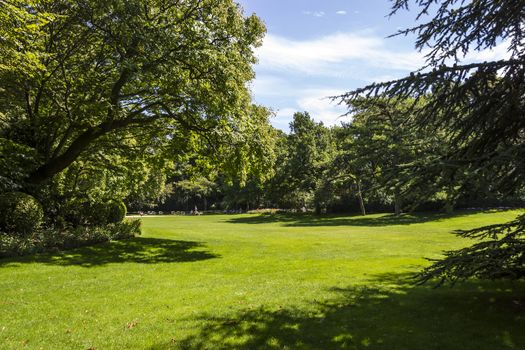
(79, 213)
(20, 214)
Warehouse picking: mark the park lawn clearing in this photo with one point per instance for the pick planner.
(261, 282)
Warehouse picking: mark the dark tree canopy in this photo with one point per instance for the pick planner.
(480, 105)
(484, 99)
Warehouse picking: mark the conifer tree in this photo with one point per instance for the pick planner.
(480, 104)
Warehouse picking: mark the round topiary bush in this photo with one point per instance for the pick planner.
(20, 213)
(115, 211)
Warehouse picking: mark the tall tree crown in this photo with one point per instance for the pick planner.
(79, 71)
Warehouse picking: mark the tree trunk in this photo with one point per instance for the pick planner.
(55, 165)
(398, 202)
(449, 207)
(449, 202)
(360, 197)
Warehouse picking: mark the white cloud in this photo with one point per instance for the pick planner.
(328, 55)
(272, 86)
(312, 100)
(499, 52)
(383, 78)
(283, 117)
(314, 13)
(321, 108)
(349, 55)
(284, 114)
(341, 12)
(298, 75)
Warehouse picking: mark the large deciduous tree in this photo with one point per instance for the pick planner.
(81, 77)
(301, 157)
(481, 105)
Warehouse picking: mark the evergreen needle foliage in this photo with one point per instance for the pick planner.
(500, 254)
(481, 106)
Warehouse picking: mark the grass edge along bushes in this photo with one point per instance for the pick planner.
(53, 239)
(23, 231)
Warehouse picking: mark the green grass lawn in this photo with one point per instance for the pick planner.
(260, 282)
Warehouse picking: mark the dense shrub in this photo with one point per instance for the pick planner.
(20, 213)
(82, 213)
(76, 212)
(52, 239)
(115, 211)
(124, 229)
(96, 214)
(11, 245)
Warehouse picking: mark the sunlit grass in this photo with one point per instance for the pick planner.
(252, 282)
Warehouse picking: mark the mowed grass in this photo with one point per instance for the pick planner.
(260, 282)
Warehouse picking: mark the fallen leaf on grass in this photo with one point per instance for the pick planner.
(131, 324)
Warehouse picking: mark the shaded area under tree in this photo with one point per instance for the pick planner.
(473, 315)
(305, 220)
(136, 250)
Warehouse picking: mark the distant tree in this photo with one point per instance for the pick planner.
(388, 148)
(480, 105)
(199, 188)
(232, 173)
(249, 146)
(348, 172)
(305, 151)
(380, 135)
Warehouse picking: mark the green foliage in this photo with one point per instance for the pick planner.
(115, 211)
(77, 212)
(154, 83)
(301, 158)
(187, 192)
(20, 38)
(20, 213)
(478, 105)
(249, 150)
(80, 212)
(199, 187)
(238, 172)
(246, 196)
(499, 254)
(53, 238)
(480, 108)
(387, 156)
(16, 162)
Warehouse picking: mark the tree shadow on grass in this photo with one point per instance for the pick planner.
(135, 250)
(472, 315)
(303, 220)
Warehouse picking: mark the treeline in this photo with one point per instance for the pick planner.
(380, 161)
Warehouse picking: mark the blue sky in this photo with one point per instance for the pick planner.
(314, 49)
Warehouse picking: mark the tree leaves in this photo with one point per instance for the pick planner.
(481, 109)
